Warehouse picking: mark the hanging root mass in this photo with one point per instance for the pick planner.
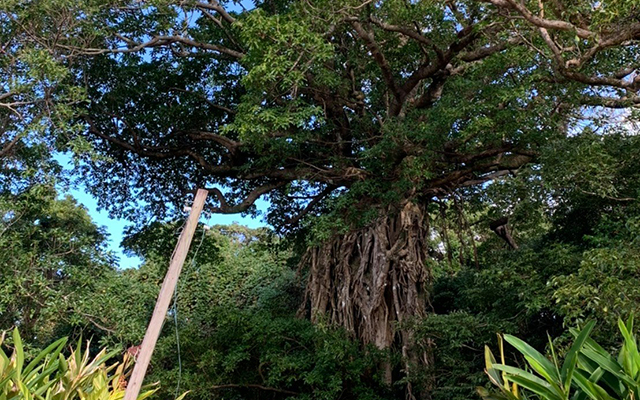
(372, 280)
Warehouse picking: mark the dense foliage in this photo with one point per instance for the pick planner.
(436, 172)
(238, 297)
(234, 322)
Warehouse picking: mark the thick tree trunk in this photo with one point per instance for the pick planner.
(372, 280)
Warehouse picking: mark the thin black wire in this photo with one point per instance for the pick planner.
(175, 317)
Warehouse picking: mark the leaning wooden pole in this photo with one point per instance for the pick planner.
(164, 298)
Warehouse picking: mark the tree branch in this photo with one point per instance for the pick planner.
(214, 5)
(380, 59)
(484, 52)
(228, 143)
(225, 208)
(541, 22)
(611, 102)
(156, 41)
(409, 32)
(205, 99)
(294, 220)
(6, 148)
(167, 153)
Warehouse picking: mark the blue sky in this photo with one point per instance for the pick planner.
(115, 227)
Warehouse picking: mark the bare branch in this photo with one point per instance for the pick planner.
(213, 5)
(409, 32)
(230, 144)
(205, 99)
(623, 73)
(487, 177)
(432, 93)
(225, 208)
(542, 22)
(611, 102)
(156, 41)
(484, 52)
(501, 228)
(163, 153)
(6, 148)
(380, 59)
(327, 191)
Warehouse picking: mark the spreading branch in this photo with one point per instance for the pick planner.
(156, 41)
(224, 207)
(566, 63)
(214, 5)
(542, 22)
(314, 201)
(378, 56)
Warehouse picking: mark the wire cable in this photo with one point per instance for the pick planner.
(175, 316)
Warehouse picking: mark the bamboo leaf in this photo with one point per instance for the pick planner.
(490, 361)
(608, 364)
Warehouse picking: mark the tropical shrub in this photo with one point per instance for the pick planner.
(53, 376)
(588, 371)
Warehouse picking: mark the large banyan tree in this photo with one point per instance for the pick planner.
(358, 115)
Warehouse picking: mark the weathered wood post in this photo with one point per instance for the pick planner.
(164, 298)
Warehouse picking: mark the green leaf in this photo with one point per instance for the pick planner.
(629, 357)
(614, 384)
(490, 361)
(492, 395)
(18, 352)
(538, 362)
(530, 381)
(571, 360)
(593, 390)
(7, 378)
(52, 350)
(608, 364)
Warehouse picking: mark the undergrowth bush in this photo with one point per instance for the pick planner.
(52, 375)
(588, 371)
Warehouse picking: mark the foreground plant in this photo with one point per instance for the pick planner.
(52, 376)
(588, 371)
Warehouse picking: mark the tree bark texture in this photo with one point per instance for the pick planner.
(372, 280)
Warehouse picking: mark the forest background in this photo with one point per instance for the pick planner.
(436, 172)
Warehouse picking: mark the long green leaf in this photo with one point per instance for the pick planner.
(530, 381)
(608, 364)
(586, 364)
(571, 360)
(592, 389)
(614, 384)
(629, 357)
(54, 355)
(7, 378)
(489, 362)
(537, 361)
(44, 353)
(593, 345)
(536, 388)
(18, 352)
